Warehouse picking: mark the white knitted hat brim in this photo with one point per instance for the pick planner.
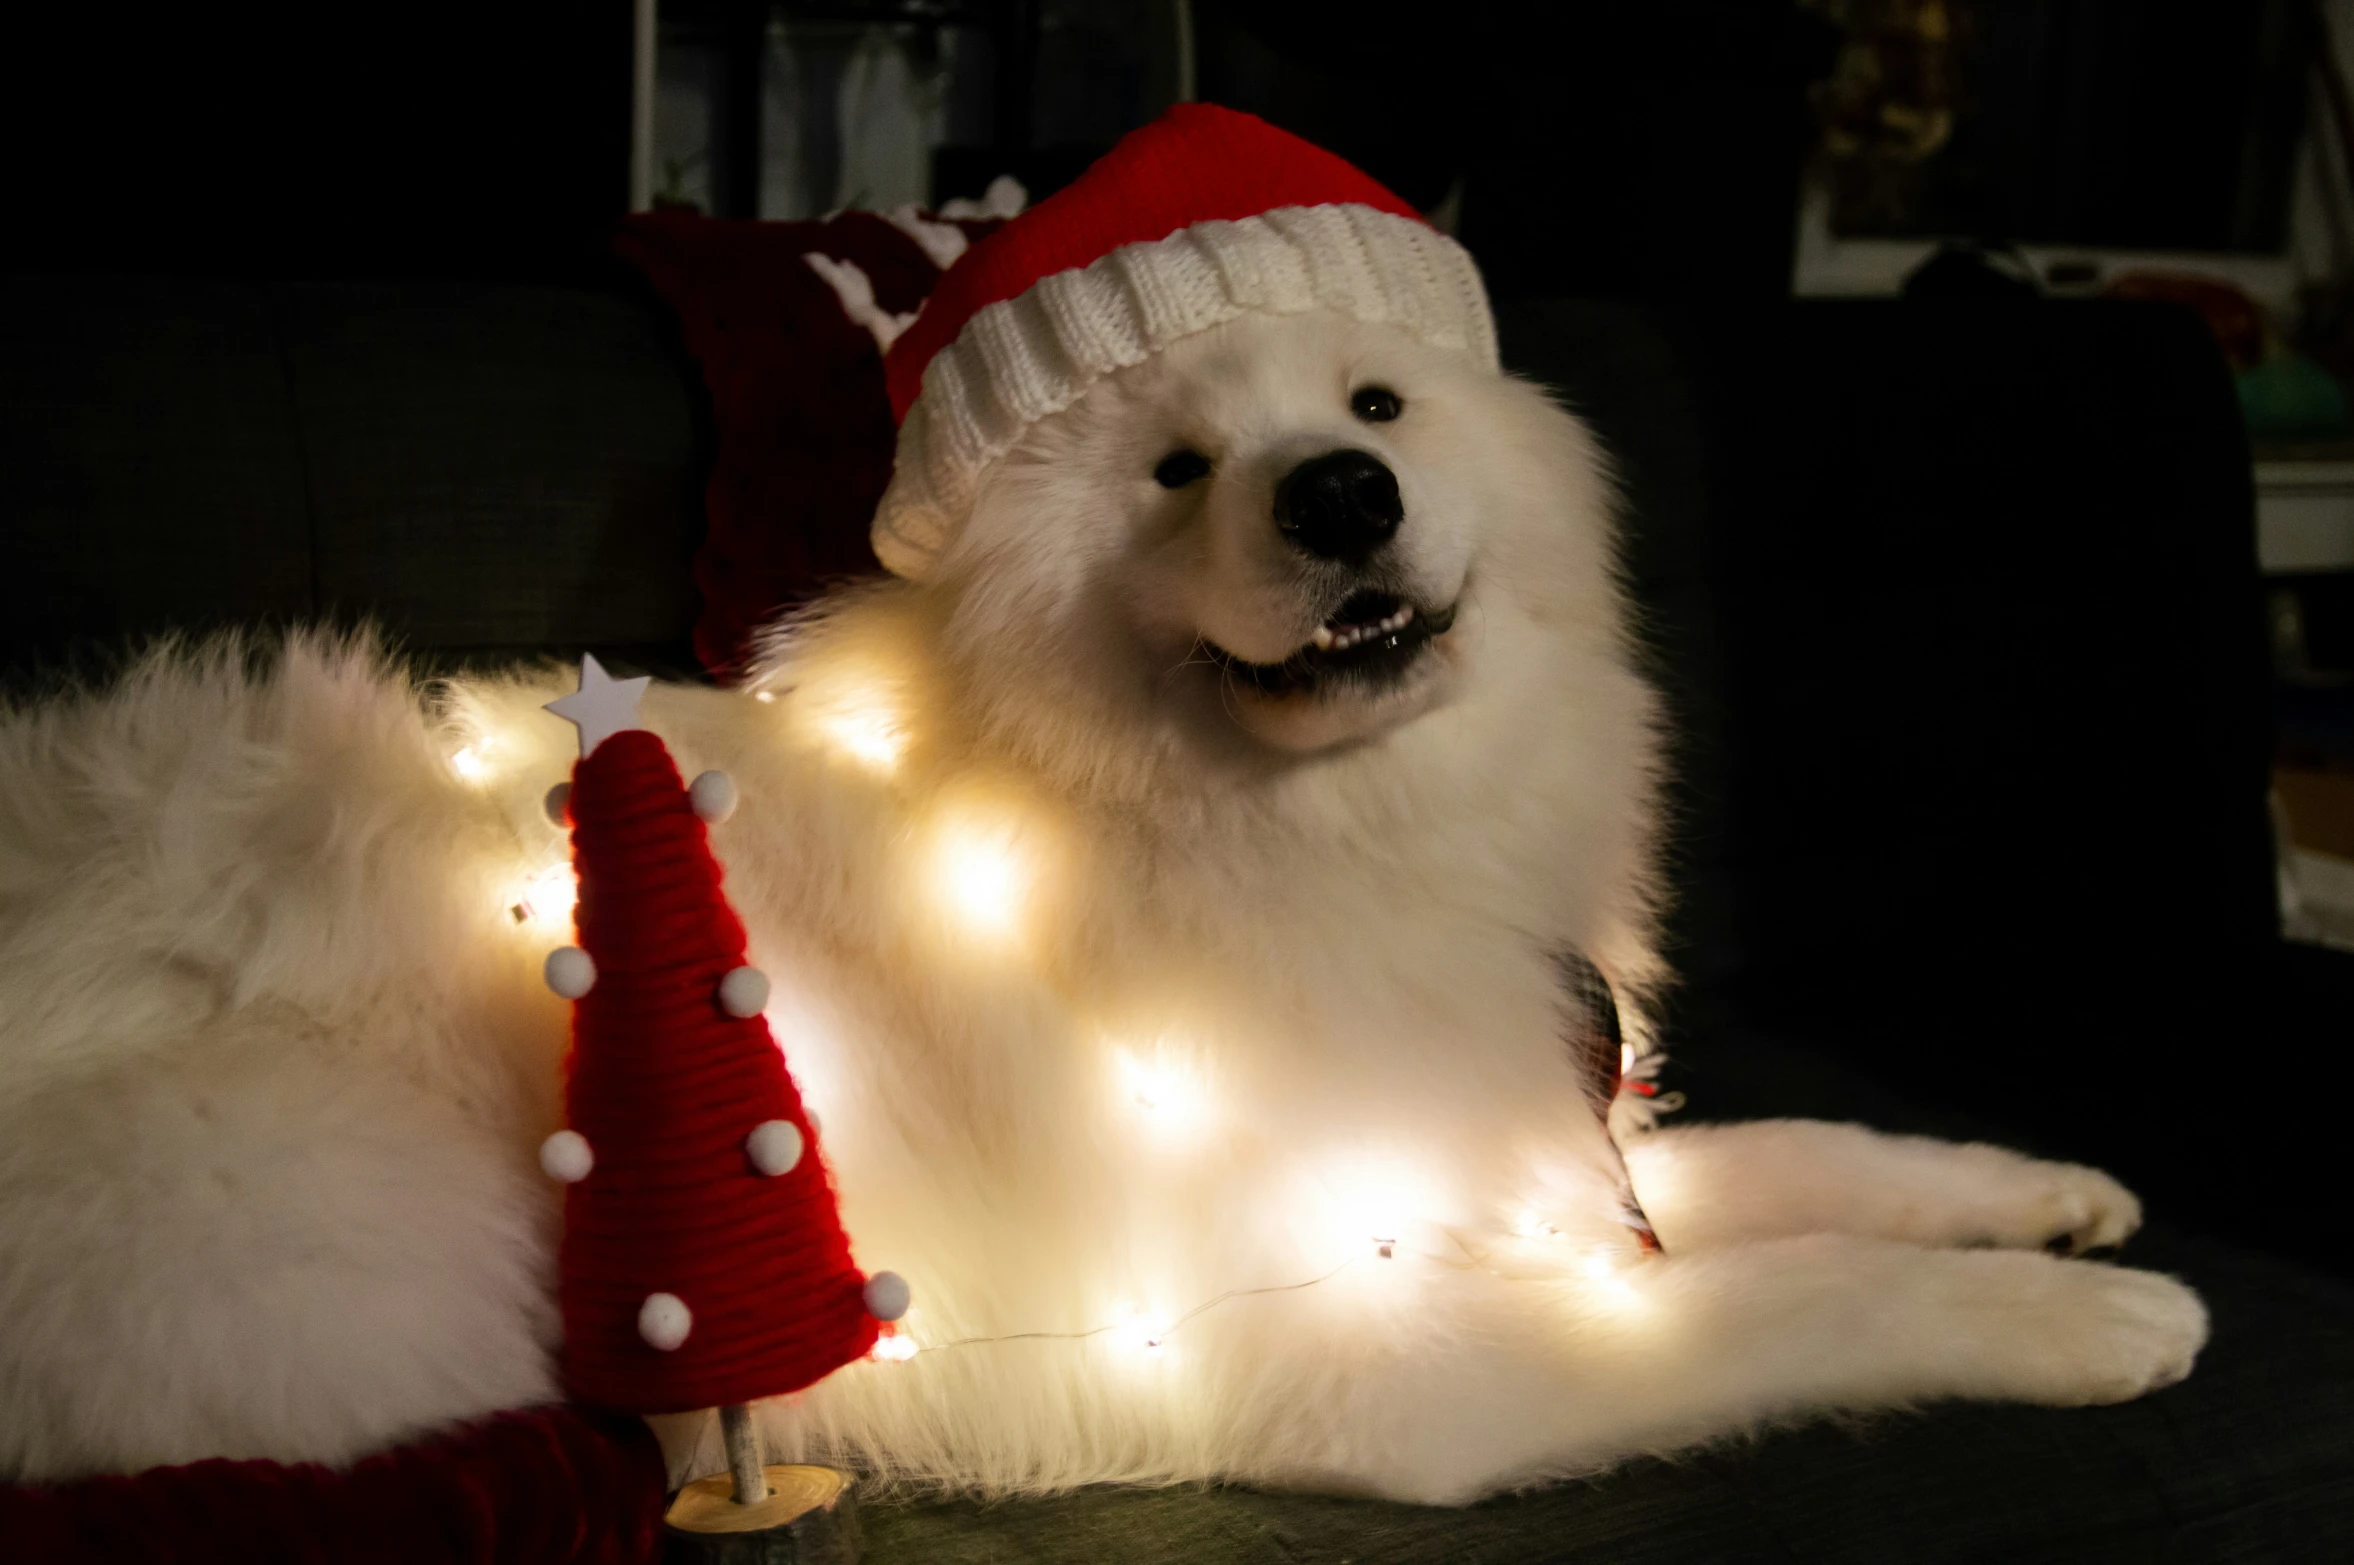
(1021, 359)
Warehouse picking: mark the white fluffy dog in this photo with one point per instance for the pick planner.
(1163, 899)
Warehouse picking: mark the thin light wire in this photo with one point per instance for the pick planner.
(1160, 1336)
(1473, 1261)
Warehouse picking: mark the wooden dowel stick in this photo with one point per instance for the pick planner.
(743, 1453)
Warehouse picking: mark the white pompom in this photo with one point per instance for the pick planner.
(774, 1146)
(557, 798)
(887, 1295)
(567, 1156)
(664, 1321)
(744, 992)
(570, 972)
(713, 794)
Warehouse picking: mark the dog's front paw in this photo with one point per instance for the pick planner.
(2001, 1200)
(2110, 1334)
(2071, 1210)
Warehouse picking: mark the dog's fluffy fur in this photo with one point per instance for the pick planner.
(274, 1059)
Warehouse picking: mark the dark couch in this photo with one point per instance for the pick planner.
(1957, 608)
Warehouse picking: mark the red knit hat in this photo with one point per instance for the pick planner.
(703, 1259)
(1199, 217)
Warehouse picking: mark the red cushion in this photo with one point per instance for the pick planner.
(548, 1485)
(803, 424)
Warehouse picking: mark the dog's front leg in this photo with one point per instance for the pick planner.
(1491, 1383)
(1706, 1185)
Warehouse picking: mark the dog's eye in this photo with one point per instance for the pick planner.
(1180, 468)
(1374, 404)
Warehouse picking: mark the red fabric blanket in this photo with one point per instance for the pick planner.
(803, 424)
(554, 1484)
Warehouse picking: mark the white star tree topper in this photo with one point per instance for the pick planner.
(603, 706)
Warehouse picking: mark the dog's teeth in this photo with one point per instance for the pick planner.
(1329, 639)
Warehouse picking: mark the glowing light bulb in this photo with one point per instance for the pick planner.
(1144, 1334)
(1606, 1282)
(470, 762)
(857, 715)
(1165, 1091)
(870, 738)
(893, 1348)
(982, 875)
(1373, 1207)
(547, 898)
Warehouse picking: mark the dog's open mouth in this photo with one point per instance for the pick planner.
(1370, 640)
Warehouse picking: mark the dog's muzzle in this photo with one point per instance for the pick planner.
(1369, 643)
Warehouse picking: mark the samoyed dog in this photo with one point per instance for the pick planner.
(1165, 901)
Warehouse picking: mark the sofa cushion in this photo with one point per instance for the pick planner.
(483, 470)
(495, 465)
(801, 426)
(150, 472)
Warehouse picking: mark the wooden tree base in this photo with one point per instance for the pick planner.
(809, 1518)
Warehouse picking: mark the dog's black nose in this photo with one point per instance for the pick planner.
(1342, 505)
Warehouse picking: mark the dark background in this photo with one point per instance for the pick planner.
(475, 140)
(1597, 148)
(1605, 148)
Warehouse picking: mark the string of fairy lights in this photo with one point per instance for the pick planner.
(980, 866)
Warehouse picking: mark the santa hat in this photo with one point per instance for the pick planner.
(1202, 216)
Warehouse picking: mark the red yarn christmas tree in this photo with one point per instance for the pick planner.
(704, 1262)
